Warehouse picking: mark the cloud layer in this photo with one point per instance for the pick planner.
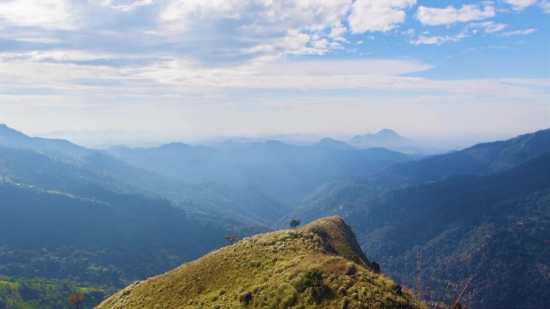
(110, 54)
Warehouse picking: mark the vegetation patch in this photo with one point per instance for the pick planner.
(283, 269)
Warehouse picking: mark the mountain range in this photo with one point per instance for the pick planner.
(290, 172)
(76, 219)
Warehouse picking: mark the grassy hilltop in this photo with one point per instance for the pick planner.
(317, 266)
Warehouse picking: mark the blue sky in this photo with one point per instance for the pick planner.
(206, 68)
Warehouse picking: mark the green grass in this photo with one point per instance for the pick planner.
(303, 268)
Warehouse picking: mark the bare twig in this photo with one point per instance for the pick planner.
(418, 287)
(456, 291)
(445, 294)
(461, 293)
(470, 297)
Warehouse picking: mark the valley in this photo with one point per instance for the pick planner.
(78, 219)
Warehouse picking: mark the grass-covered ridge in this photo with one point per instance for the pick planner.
(317, 266)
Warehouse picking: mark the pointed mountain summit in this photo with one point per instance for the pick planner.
(15, 139)
(386, 138)
(320, 265)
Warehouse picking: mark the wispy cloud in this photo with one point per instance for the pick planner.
(426, 38)
(519, 32)
(520, 5)
(376, 15)
(489, 26)
(450, 15)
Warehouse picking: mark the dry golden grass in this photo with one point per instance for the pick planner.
(317, 266)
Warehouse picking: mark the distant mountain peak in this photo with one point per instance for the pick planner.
(387, 132)
(383, 138)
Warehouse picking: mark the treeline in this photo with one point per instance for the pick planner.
(47, 294)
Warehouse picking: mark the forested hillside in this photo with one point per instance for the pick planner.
(224, 203)
(493, 228)
(104, 238)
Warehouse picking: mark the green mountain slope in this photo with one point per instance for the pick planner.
(492, 227)
(241, 205)
(109, 239)
(317, 266)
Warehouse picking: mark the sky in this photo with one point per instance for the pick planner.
(209, 68)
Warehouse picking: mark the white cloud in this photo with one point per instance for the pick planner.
(265, 16)
(451, 15)
(322, 44)
(519, 32)
(336, 45)
(545, 6)
(266, 27)
(173, 76)
(424, 38)
(520, 5)
(489, 26)
(337, 31)
(132, 6)
(376, 15)
(48, 14)
(359, 42)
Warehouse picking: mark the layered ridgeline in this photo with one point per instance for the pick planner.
(317, 266)
(72, 224)
(15, 139)
(222, 203)
(481, 159)
(290, 172)
(493, 228)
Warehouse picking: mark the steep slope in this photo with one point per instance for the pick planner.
(12, 138)
(480, 159)
(317, 266)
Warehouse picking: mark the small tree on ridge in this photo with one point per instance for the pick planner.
(231, 239)
(294, 223)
